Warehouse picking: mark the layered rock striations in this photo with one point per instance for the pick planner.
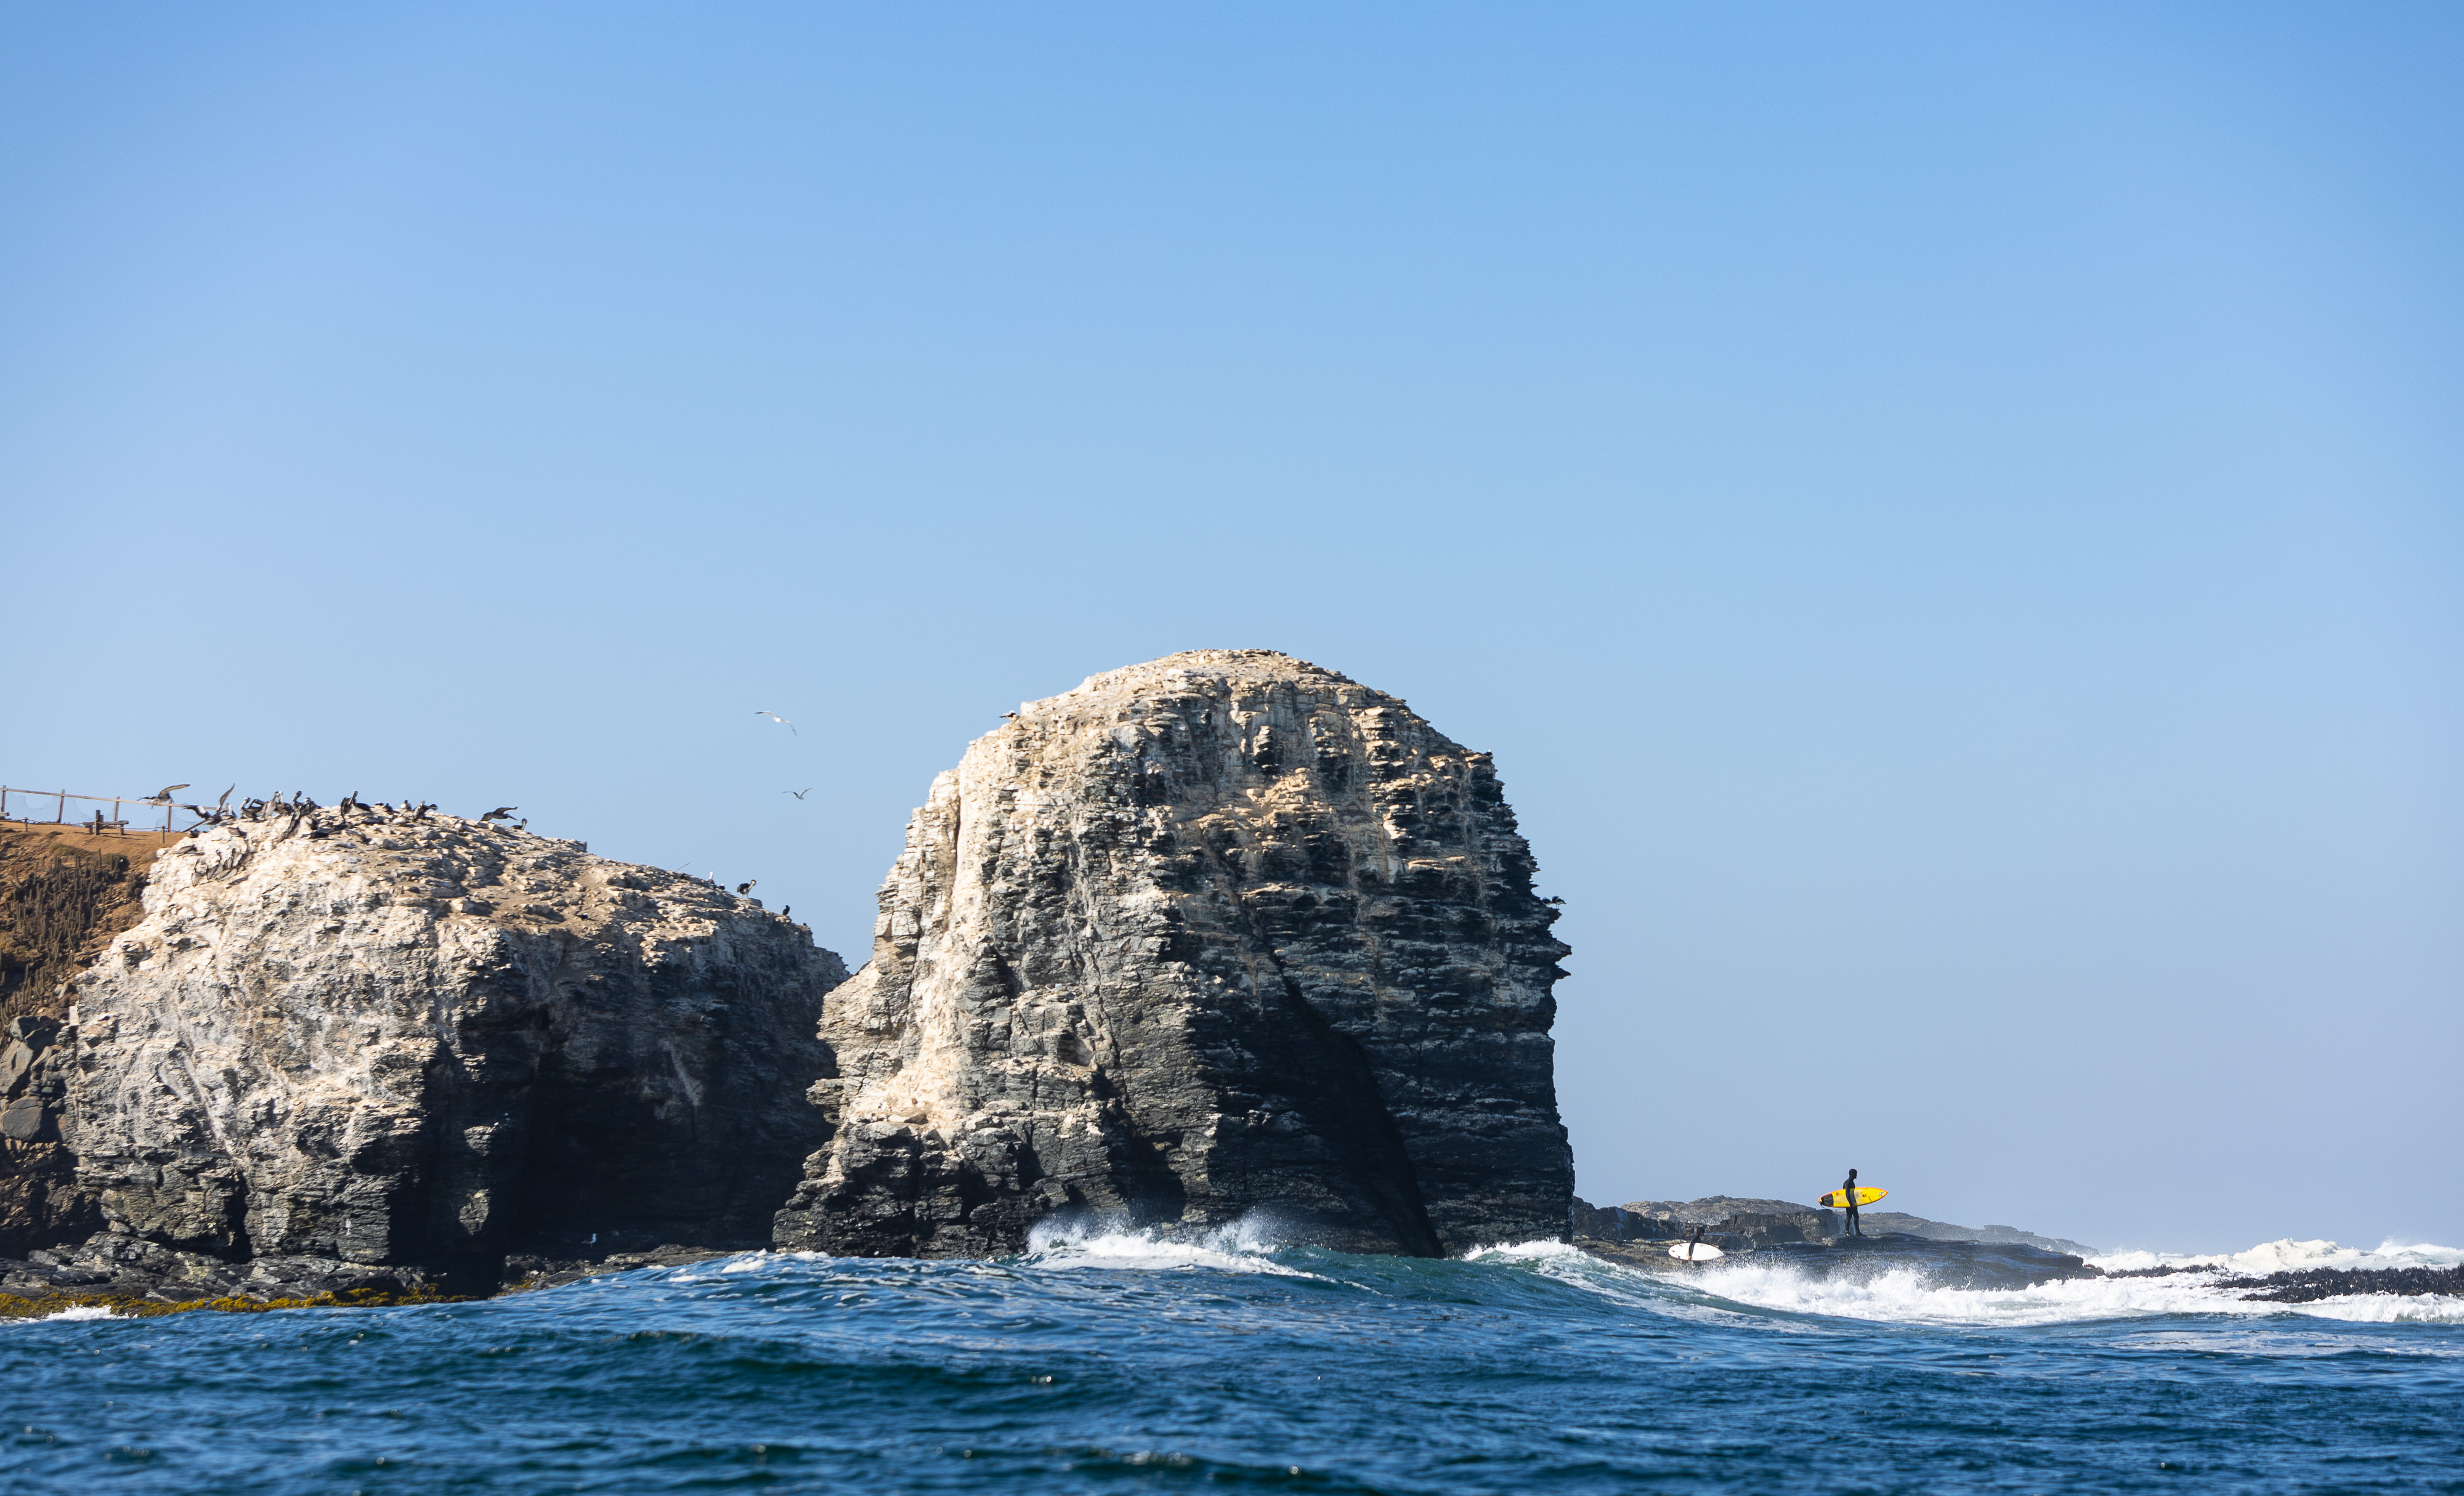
(378, 1038)
(1217, 935)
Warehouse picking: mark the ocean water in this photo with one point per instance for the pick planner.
(1117, 1363)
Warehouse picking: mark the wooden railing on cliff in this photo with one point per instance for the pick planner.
(27, 800)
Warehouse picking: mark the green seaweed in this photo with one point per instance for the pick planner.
(129, 1305)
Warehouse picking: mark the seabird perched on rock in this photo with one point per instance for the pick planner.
(746, 887)
(500, 813)
(775, 717)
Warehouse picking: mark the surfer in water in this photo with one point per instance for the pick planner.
(1848, 1192)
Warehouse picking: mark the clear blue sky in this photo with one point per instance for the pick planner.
(1947, 516)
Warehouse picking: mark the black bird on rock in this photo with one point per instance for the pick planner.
(746, 887)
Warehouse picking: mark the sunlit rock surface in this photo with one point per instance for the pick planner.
(370, 1036)
(1217, 937)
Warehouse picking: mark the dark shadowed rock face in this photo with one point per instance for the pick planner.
(1217, 934)
(367, 1039)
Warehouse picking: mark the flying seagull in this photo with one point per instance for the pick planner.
(165, 792)
(500, 813)
(797, 793)
(775, 717)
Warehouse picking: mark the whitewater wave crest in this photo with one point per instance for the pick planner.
(2286, 1255)
(80, 1312)
(1910, 1295)
(1247, 1245)
(1526, 1252)
(1905, 1296)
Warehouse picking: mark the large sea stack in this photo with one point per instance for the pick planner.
(1221, 936)
(366, 1037)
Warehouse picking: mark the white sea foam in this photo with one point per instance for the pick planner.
(81, 1311)
(1525, 1251)
(2286, 1255)
(1906, 1295)
(1245, 1246)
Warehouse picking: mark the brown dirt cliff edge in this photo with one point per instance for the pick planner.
(64, 892)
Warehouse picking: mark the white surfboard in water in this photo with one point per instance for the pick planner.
(1694, 1251)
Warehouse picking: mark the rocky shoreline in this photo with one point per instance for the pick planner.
(2310, 1285)
(1224, 937)
(1770, 1231)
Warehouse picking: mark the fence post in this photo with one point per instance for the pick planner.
(60, 817)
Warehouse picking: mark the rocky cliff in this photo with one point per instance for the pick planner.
(1217, 934)
(370, 1036)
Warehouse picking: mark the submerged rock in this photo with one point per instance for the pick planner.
(358, 1037)
(1221, 934)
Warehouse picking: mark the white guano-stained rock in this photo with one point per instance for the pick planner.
(377, 1038)
(1218, 935)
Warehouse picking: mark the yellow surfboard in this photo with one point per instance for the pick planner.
(1837, 1199)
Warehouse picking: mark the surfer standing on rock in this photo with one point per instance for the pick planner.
(1848, 1192)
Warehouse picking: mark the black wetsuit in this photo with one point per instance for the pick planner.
(1848, 1194)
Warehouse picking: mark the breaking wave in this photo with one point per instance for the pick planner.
(1904, 1296)
(59, 1316)
(1908, 1295)
(1247, 1245)
(2286, 1255)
